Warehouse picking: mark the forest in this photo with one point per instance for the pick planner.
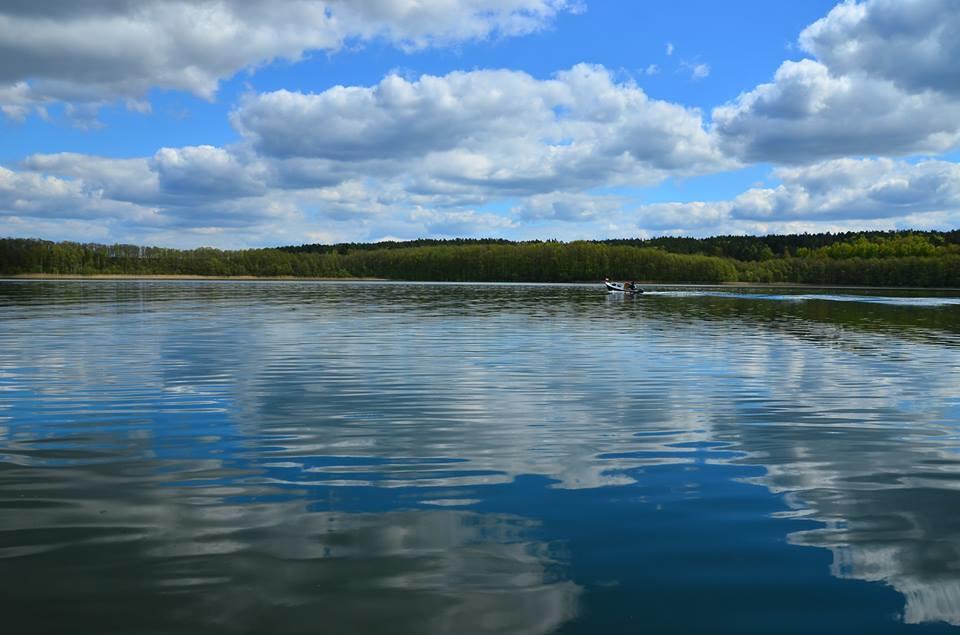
(900, 258)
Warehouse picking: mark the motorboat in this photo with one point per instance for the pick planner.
(622, 287)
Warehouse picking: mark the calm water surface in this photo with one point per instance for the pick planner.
(224, 457)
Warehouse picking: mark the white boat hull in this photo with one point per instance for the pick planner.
(621, 287)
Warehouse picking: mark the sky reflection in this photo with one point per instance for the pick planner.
(352, 443)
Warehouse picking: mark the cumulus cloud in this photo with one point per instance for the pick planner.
(568, 206)
(878, 186)
(835, 195)
(57, 229)
(203, 195)
(461, 223)
(118, 179)
(190, 187)
(432, 155)
(492, 129)
(807, 113)
(433, 149)
(41, 196)
(418, 155)
(421, 24)
(98, 51)
(205, 172)
(912, 43)
(842, 193)
(15, 100)
(884, 83)
(191, 174)
(847, 189)
(696, 217)
(394, 119)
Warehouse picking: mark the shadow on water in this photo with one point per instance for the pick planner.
(346, 457)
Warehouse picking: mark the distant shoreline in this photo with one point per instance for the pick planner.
(164, 276)
(174, 277)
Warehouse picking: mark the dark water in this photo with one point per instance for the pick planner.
(385, 458)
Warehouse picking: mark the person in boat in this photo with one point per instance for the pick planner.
(626, 286)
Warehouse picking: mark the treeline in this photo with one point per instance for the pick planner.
(930, 259)
(912, 271)
(749, 248)
(752, 248)
(344, 248)
(538, 262)
(19, 256)
(451, 261)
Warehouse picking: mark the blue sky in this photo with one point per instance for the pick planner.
(202, 122)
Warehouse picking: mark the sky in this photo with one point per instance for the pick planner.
(254, 123)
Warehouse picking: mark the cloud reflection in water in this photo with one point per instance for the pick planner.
(331, 447)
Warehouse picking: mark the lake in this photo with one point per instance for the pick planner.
(326, 457)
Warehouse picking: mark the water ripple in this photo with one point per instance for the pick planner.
(473, 458)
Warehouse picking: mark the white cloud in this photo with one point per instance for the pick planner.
(848, 189)
(34, 195)
(205, 172)
(568, 206)
(57, 229)
(394, 119)
(193, 188)
(188, 175)
(884, 83)
(15, 101)
(697, 70)
(683, 218)
(130, 199)
(118, 179)
(807, 114)
(835, 195)
(465, 223)
(491, 131)
(99, 51)
(913, 43)
(431, 155)
(421, 24)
